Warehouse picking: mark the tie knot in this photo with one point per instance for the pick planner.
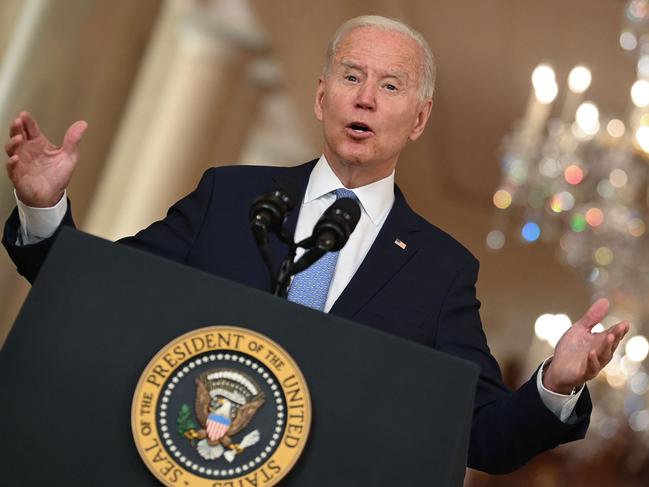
(345, 193)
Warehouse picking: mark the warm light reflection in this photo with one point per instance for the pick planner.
(547, 93)
(636, 227)
(542, 326)
(643, 66)
(637, 348)
(618, 178)
(502, 199)
(642, 137)
(563, 201)
(640, 93)
(598, 328)
(545, 85)
(573, 174)
(603, 256)
(594, 217)
(615, 128)
(550, 327)
(542, 75)
(579, 79)
(587, 118)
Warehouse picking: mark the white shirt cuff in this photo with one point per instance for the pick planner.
(561, 405)
(37, 224)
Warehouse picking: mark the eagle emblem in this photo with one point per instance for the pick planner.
(226, 401)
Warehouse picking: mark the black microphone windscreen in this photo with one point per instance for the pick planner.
(347, 206)
(290, 189)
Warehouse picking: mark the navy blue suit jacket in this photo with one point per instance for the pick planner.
(425, 293)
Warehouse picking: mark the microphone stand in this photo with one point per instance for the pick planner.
(315, 248)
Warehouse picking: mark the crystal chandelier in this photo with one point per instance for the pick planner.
(580, 180)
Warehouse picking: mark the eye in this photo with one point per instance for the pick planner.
(390, 87)
(351, 77)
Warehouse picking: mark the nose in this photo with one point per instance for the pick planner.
(366, 97)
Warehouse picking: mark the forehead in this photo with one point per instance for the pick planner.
(380, 49)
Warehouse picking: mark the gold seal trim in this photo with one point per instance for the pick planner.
(206, 344)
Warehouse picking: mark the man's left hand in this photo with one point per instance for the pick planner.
(580, 354)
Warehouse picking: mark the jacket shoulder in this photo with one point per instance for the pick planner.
(448, 246)
(246, 171)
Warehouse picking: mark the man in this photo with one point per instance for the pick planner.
(374, 96)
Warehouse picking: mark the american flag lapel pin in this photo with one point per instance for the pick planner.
(400, 244)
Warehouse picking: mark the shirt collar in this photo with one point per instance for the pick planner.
(375, 198)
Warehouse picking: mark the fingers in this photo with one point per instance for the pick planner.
(11, 163)
(17, 128)
(73, 136)
(13, 144)
(31, 127)
(606, 349)
(594, 315)
(593, 367)
(618, 331)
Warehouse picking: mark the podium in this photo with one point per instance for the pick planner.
(385, 411)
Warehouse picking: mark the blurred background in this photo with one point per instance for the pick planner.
(544, 178)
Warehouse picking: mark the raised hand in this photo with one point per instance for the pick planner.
(39, 170)
(580, 354)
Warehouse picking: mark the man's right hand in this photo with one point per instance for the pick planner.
(39, 170)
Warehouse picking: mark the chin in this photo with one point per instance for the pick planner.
(356, 156)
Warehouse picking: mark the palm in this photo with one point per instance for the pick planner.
(39, 170)
(581, 354)
(42, 169)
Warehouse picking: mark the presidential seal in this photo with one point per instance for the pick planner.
(221, 407)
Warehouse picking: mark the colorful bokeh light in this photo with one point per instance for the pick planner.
(502, 199)
(578, 223)
(573, 174)
(495, 240)
(636, 227)
(618, 178)
(594, 217)
(531, 232)
(603, 256)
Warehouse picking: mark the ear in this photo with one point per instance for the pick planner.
(319, 95)
(422, 117)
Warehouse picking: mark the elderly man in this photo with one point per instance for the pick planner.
(397, 273)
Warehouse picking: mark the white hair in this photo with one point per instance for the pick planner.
(427, 83)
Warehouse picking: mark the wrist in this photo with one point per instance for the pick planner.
(40, 202)
(550, 382)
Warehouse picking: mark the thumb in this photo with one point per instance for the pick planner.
(595, 314)
(73, 136)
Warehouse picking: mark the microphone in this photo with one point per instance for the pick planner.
(330, 233)
(336, 224)
(268, 211)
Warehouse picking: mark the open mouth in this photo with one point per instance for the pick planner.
(359, 128)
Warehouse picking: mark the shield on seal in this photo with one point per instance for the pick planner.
(217, 426)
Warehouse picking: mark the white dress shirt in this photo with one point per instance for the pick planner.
(376, 200)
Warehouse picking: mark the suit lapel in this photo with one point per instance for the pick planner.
(383, 260)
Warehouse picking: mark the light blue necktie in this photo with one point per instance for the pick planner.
(311, 286)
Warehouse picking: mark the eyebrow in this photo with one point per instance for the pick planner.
(397, 74)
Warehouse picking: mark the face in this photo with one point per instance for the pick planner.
(369, 102)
